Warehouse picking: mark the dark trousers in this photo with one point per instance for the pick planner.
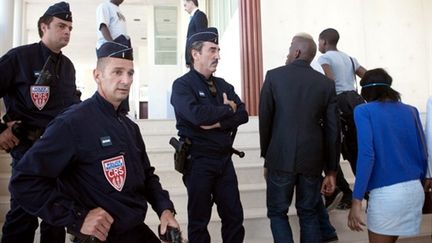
(208, 181)
(313, 218)
(342, 183)
(347, 101)
(21, 226)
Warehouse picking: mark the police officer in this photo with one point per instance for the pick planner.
(37, 82)
(208, 112)
(104, 177)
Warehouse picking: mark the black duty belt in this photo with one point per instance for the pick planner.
(211, 150)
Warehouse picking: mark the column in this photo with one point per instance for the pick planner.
(6, 25)
(251, 53)
(18, 23)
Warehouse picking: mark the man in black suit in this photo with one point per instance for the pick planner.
(198, 22)
(299, 136)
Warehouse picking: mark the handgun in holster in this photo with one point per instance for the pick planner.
(23, 131)
(181, 154)
(84, 239)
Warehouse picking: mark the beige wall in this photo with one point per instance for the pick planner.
(393, 34)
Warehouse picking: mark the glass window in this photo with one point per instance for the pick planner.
(165, 35)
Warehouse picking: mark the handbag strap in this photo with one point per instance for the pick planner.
(354, 72)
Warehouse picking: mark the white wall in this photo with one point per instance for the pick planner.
(229, 64)
(393, 34)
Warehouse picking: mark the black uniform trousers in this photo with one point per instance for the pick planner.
(213, 180)
(20, 226)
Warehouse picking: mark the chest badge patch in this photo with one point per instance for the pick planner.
(115, 171)
(40, 95)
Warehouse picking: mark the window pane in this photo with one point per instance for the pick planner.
(165, 35)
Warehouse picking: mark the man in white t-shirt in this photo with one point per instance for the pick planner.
(343, 69)
(111, 23)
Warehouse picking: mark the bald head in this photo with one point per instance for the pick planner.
(303, 47)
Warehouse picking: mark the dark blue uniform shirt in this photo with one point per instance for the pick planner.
(195, 106)
(100, 159)
(20, 67)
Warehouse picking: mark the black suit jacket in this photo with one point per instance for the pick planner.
(197, 23)
(298, 120)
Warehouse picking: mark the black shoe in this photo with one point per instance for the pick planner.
(332, 201)
(331, 239)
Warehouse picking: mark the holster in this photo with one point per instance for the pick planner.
(181, 154)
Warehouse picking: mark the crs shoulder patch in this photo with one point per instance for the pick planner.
(115, 171)
(39, 95)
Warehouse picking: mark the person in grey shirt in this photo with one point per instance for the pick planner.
(342, 69)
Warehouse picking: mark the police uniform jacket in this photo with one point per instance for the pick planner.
(20, 67)
(298, 120)
(195, 106)
(99, 158)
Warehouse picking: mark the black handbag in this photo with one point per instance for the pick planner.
(427, 206)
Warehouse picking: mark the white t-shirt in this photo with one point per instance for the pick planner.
(341, 66)
(109, 14)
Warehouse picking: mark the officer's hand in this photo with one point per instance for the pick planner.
(97, 223)
(216, 125)
(167, 218)
(229, 102)
(7, 140)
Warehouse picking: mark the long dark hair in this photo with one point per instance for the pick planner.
(376, 86)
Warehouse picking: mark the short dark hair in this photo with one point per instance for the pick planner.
(381, 92)
(197, 45)
(45, 20)
(194, 1)
(330, 35)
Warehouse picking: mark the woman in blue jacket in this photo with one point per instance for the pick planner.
(392, 161)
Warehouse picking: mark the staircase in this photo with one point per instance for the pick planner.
(156, 134)
(249, 172)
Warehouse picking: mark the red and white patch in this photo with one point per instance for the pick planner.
(40, 95)
(115, 171)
